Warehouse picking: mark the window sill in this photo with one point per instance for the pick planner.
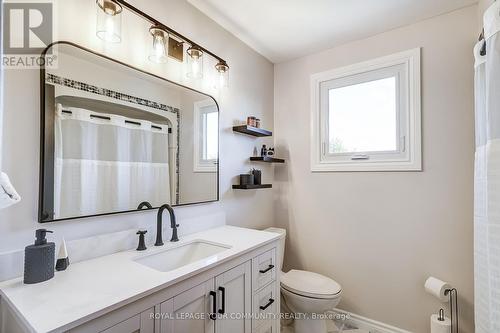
(374, 166)
(205, 169)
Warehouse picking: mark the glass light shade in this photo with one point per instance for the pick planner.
(222, 74)
(159, 51)
(195, 62)
(109, 21)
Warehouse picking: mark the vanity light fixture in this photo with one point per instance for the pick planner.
(166, 41)
(109, 20)
(195, 62)
(223, 73)
(159, 52)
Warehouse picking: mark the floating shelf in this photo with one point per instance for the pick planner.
(250, 130)
(267, 159)
(251, 187)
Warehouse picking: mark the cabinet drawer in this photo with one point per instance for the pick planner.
(265, 305)
(117, 322)
(130, 325)
(264, 269)
(140, 323)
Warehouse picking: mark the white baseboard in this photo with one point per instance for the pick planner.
(370, 325)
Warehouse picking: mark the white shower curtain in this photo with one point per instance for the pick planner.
(487, 177)
(107, 163)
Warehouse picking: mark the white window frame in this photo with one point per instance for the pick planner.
(405, 66)
(200, 165)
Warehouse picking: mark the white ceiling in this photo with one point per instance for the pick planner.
(286, 29)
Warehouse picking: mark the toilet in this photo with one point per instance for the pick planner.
(307, 293)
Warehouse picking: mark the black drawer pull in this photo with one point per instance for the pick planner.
(213, 315)
(223, 309)
(263, 307)
(267, 269)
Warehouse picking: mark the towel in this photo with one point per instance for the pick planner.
(8, 194)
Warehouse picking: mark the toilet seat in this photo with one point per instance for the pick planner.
(310, 284)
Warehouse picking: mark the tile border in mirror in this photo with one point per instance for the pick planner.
(51, 78)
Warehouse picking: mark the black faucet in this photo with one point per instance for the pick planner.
(173, 225)
(144, 204)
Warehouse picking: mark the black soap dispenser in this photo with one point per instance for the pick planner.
(39, 259)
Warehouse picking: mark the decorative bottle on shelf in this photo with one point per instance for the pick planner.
(39, 259)
(251, 121)
(257, 177)
(263, 151)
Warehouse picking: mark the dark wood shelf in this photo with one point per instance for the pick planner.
(251, 187)
(254, 131)
(267, 159)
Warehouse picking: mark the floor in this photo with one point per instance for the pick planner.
(332, 328)
(356, 330)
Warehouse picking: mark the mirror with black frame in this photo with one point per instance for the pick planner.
(117, 139)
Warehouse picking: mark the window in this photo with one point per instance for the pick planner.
(366, 117)
(206, 136)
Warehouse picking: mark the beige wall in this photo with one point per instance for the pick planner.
(381, 234)
(250, 92)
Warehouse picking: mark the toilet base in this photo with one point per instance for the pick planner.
(310, 326)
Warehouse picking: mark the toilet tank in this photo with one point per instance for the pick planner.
(282, 233)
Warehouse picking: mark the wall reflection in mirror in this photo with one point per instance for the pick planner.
(114, 137)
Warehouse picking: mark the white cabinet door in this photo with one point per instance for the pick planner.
(190, 311)
(268, 327)
(234, 300)
(140, 323)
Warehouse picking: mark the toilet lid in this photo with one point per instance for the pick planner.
(310, 284)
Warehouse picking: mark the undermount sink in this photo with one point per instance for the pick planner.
(183, 255)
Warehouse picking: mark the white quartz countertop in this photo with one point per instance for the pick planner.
(87, 289)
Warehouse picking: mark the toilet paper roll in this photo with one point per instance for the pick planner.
(440, 326)
(437, 288)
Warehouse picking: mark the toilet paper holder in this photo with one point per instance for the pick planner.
(444, 292)
(452, 293)
(441, 315)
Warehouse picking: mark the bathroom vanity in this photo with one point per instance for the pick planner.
(220, 280)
